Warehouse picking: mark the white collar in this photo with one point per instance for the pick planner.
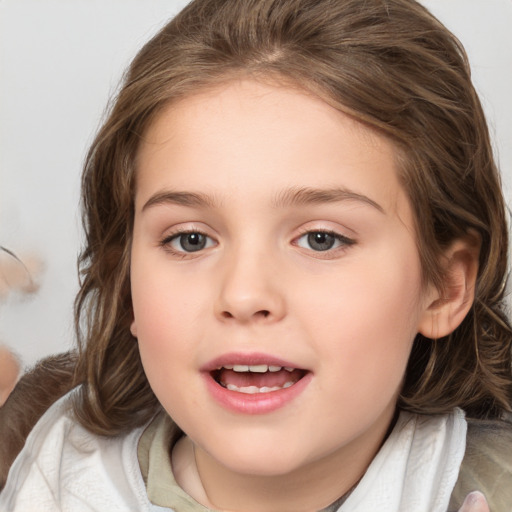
(416, 468)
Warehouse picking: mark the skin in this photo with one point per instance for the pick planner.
(348, 315)
(475, 502)
(9, 371)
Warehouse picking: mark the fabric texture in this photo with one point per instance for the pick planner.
(64, 467)
(416, 468)
(487, 465)
(155, 464)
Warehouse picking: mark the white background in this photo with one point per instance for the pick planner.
(60, 61)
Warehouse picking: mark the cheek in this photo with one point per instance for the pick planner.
(367, 318)
(165, 311)
(165, 346)
(165, 302)
(379, 301)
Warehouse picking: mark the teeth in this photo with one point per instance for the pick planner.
(253, 390)
(255, 368)
(260, 368)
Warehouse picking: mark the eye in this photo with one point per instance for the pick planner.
(323, 241)
(186, 242)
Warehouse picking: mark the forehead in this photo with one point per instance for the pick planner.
(260, 107)
(236, 135)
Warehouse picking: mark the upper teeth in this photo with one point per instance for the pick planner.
(256, 368)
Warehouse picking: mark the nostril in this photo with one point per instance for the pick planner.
(261, 313)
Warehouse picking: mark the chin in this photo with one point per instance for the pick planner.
(261, 460)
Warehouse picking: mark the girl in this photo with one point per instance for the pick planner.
(293, 280)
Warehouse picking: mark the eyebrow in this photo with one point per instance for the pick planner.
(192, 199)
(291, 197)
(304, 196)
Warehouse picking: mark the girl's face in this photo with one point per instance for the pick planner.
(276, 281)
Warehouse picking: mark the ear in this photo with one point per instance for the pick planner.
(133, 328)
(446, 308)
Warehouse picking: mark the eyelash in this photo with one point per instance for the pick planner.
(166, 243)
(343, 242)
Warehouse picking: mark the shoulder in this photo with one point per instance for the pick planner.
(65, 467)
(487, 464)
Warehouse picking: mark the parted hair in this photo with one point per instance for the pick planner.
(387, 63)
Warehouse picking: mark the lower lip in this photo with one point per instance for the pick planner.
(257, 403)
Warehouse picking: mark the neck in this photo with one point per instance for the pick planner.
(311, 487)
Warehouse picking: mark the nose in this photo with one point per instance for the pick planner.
(250, 289)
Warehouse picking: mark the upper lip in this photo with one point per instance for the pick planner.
(250, 359)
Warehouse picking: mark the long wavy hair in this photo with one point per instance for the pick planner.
(388, 63)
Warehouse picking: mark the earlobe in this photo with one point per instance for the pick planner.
(447, 308)
(133, 328)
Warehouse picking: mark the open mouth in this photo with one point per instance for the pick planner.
(259, 378)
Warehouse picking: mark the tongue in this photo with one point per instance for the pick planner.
(267, 379)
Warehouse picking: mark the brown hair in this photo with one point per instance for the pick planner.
(389, 64)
